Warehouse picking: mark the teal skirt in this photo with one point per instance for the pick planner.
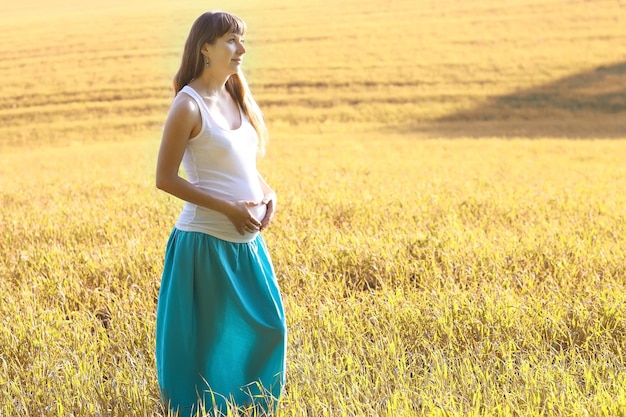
(220, 326)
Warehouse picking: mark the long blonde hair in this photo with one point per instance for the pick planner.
(207, 29)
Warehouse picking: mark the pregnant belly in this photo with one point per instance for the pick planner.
(259, 211)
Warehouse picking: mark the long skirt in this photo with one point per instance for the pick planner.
(220, 326)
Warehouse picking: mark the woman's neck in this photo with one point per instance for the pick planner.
(209, 87)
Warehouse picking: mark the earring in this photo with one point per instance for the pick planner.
(206, 62)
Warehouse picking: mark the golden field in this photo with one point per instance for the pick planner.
(451, 233)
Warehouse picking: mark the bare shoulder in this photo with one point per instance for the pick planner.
(184, 116)
(184, 103)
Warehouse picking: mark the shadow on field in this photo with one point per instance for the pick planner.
(586, 105)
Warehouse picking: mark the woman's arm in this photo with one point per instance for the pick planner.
(183, 122)
(269, 200)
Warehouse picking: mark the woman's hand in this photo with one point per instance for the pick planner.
(241, 217)
(270, 201)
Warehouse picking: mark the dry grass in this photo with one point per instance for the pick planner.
(441, 249)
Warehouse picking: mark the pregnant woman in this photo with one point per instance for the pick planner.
(220, 326)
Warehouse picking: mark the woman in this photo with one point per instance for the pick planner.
(220, 331)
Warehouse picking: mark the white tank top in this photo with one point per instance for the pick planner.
(223, 163)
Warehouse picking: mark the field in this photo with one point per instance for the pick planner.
(451, 229)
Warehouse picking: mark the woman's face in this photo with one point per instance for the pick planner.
(225, 55)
